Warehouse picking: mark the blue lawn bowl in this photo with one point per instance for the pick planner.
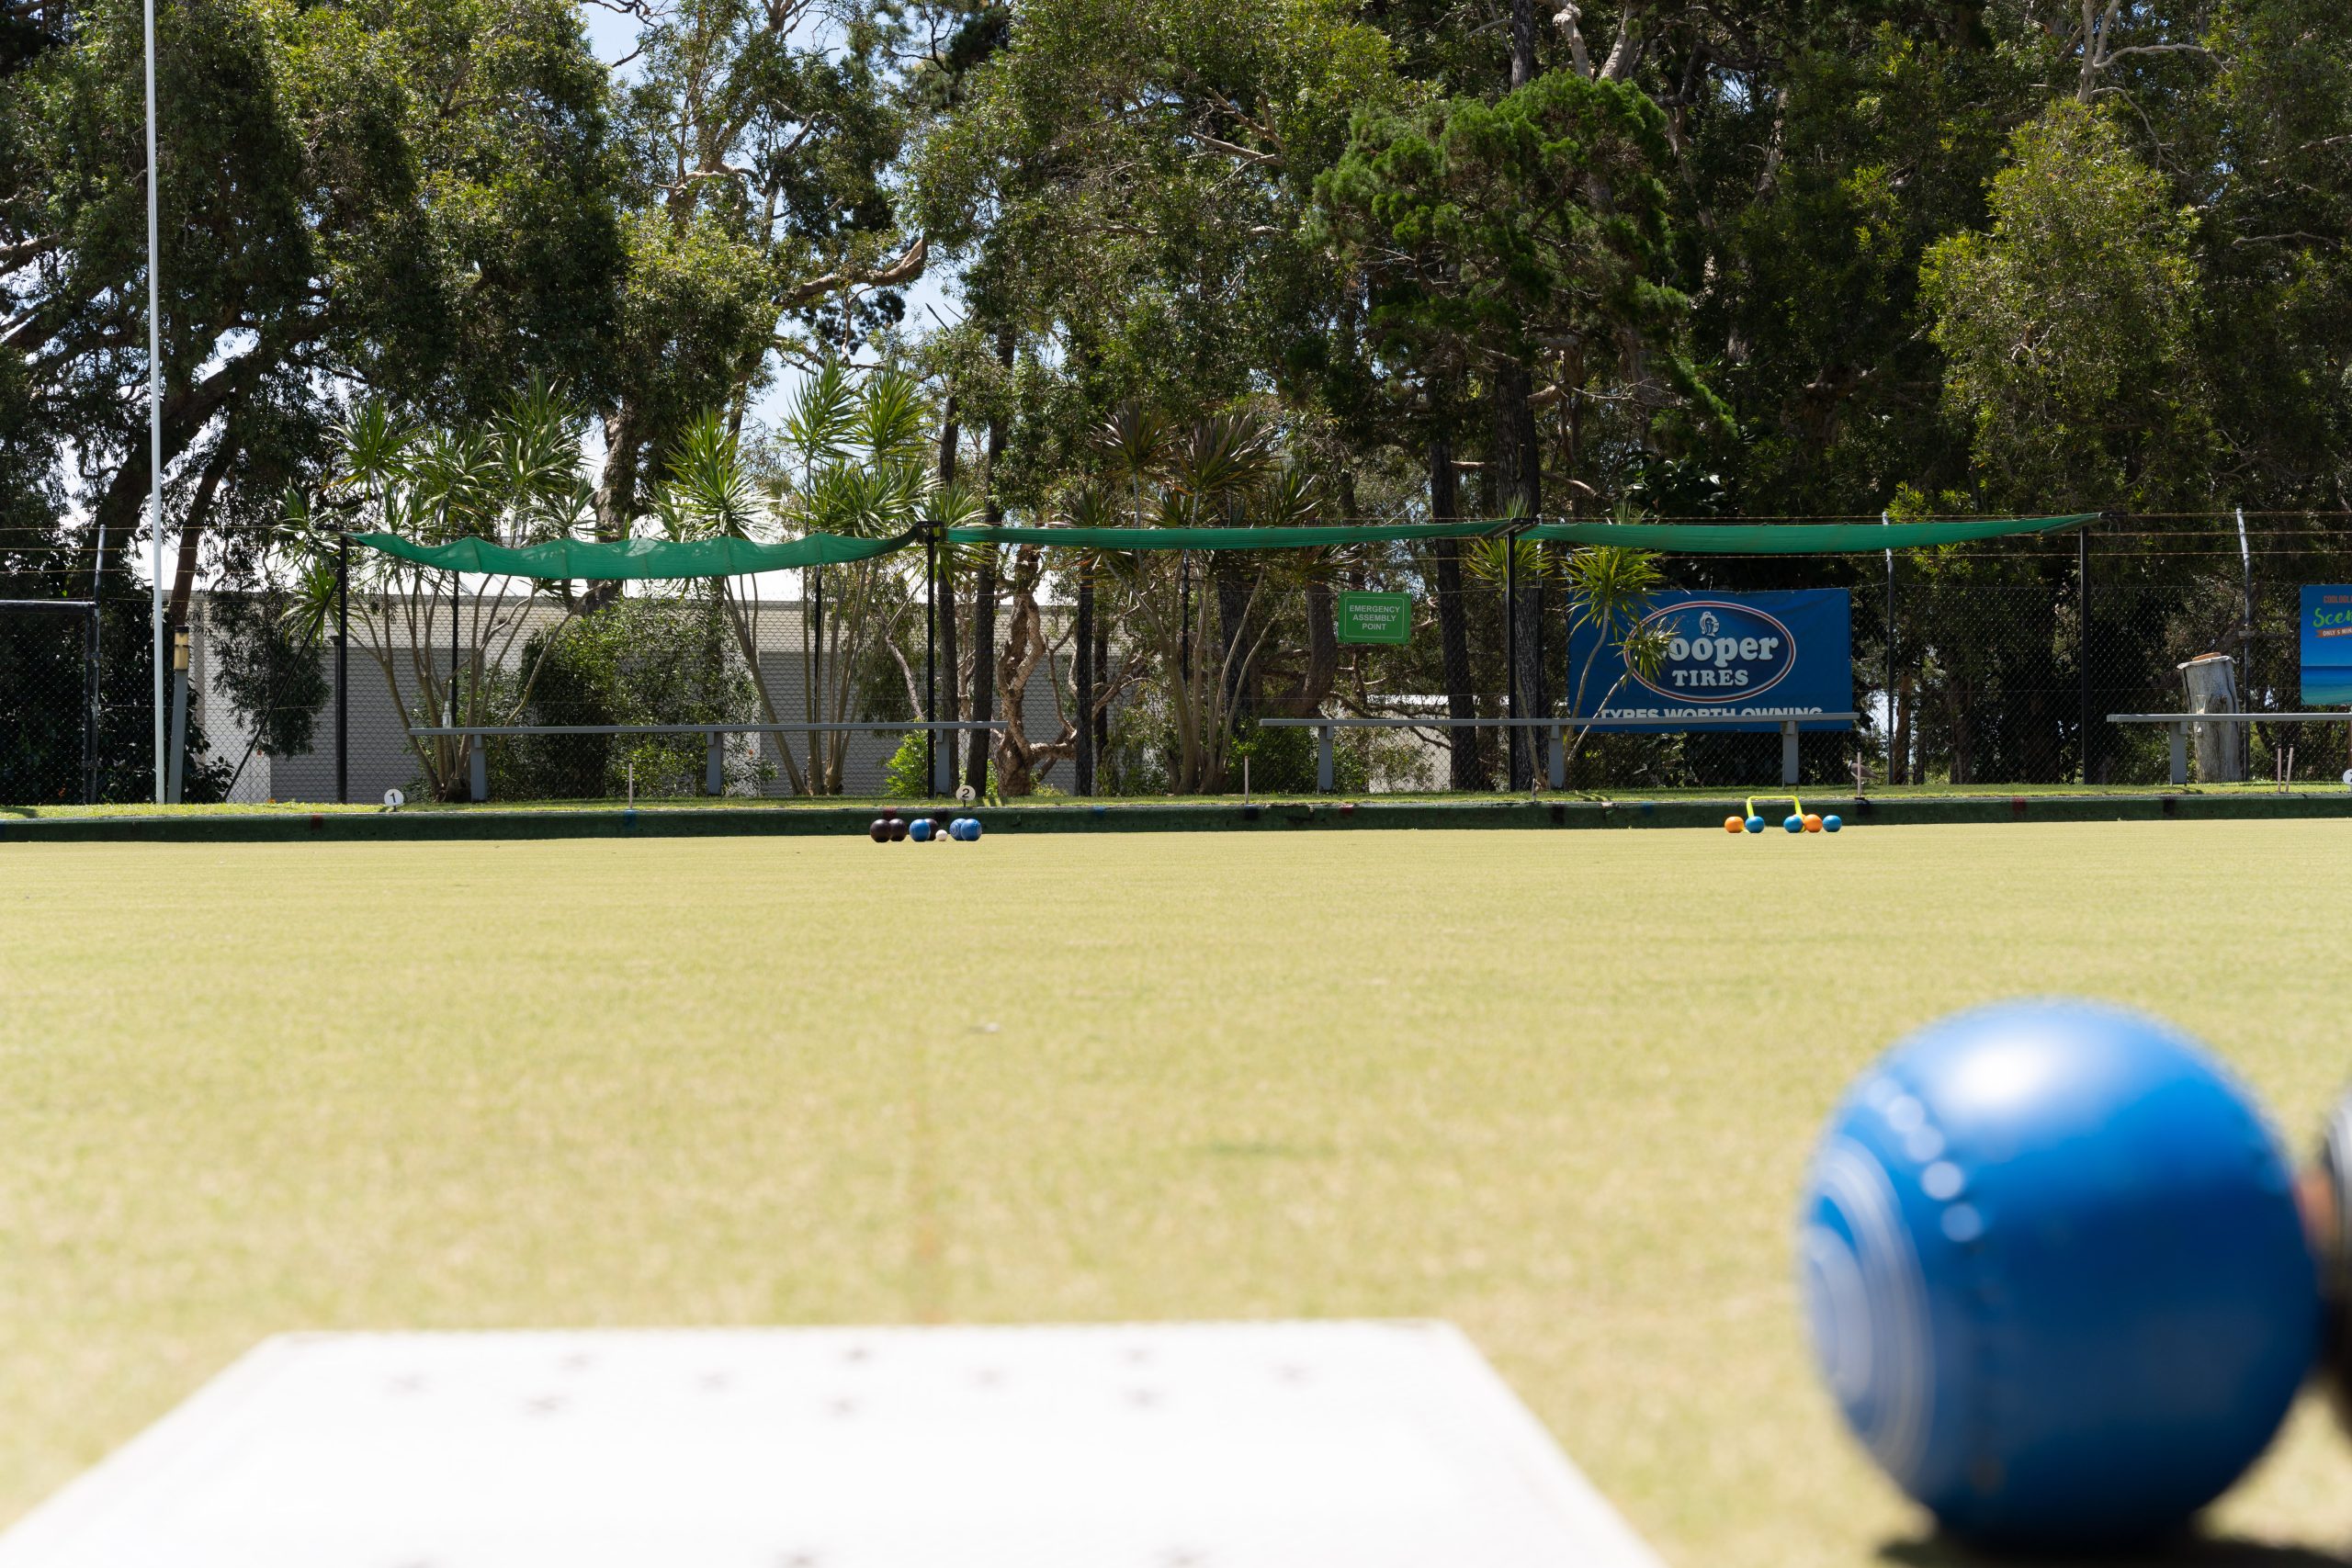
(1831, 824)
(2054, 1274)
(971, 829)
(920, 829)
(1756, 824)
(1795, 824)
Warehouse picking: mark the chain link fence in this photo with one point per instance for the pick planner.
(1976, 665)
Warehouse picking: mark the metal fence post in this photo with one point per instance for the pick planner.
(90, 705)
(1788, 751)
(342, 668)
(477, 765)
(1326, 766)
(2083, 654)
(930, 653)
(714, 764)
(2179, 754)
(1559, 759)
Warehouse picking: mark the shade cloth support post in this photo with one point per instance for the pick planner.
(343, 668)
(931, 654)
(90, 703)
(2246, 647)
(466, 747)
(1510, 645)
(2082, 653)
(1893, 727)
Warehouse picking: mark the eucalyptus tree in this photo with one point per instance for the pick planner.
(410, 197)
(757, 211)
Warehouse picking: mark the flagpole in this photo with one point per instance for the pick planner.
(154, 407)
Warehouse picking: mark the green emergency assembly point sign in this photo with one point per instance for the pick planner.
(1377, 617)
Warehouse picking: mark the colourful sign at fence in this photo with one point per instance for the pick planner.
(1768, 657)
(1377, 617)
(2328, 646)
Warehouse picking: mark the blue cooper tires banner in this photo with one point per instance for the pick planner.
(2328, 646)
(1768, 656)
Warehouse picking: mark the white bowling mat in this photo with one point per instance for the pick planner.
(1351, 1445)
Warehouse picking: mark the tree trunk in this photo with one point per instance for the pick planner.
(1082, 761)
(199, 512)
(976, 768)
(1519, 485)
(1523, 43)
(1024, 648)
(951, 663)
(1469, 768)
(1233, 662)
(1100, 716)
(617, 496)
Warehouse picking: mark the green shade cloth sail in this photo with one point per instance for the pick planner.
(634, 559)
(1299, 538)
(639, 558)
(1672, 538)
(1797, 539)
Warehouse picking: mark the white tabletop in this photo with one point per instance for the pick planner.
(1368, 1445)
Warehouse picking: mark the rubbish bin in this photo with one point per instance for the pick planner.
(2213, 688)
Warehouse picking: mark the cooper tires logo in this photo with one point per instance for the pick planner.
(1726, 652)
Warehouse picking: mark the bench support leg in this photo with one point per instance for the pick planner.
(1325, 766)
(479, 765)
(714, 766)
(1788, 751)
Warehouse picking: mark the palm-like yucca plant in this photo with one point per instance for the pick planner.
(514, 481)
(711, 491)
(856, 467)
(1132, 444)
(1218, 460)
(1610, 588)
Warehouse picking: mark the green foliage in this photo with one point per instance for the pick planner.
(640, 660)
(1283, 761)
(268, 663)
(2069, 327)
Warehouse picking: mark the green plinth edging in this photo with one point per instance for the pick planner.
(1076, 817)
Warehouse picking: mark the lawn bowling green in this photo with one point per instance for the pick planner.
(1255, 1445)
(1559, 1090)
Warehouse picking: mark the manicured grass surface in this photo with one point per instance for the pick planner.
(1556, 1088)
(1827, 796)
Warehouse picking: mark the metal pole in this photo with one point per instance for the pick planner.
(457, 586)
(2083, 655)
(95, 677)
(90, 708)
(930, 654)
(1511, 635)
(342, 668)
(1891, 727)
(155, 406)
(2244, 732)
